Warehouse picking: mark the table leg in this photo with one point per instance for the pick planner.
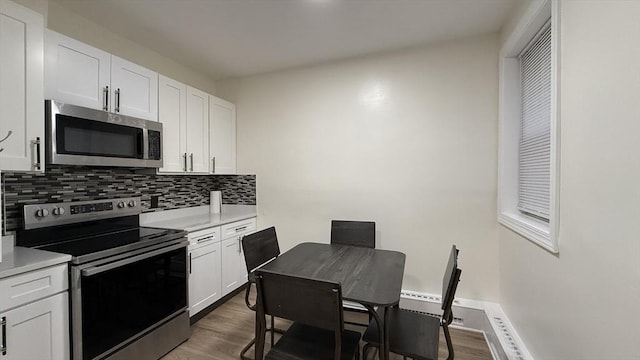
(383, 353)
(386, 332)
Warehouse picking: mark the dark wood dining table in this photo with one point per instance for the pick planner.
(371, 277)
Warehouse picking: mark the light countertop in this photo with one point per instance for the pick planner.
(197, 218)
(21, 259)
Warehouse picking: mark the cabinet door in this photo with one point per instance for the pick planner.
(21, 89)
(197, 130)
(172, 113)
(204, 277)
(76, 73)
(134, 88)
(232, 258)
(222, 137)
(39, 330)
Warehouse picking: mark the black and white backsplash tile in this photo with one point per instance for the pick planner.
(61, 184)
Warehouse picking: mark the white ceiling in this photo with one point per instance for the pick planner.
(229, 38)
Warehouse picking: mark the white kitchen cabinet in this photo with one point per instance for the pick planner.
(197, 130)
(82, 75)
(34, 313)
(76, 73)
(172, 113)
(38, 330)
(222, 136)
(184, 114)
(234, 270)
(135, 89)
(21, 88)
(204, 269)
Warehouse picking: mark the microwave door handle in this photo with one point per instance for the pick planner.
(95, 270)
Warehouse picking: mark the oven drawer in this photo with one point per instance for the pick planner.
(238, 228)
(34, 285)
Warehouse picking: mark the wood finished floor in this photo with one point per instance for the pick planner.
(225, 331)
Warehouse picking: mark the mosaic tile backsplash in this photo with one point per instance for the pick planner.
(62, 184)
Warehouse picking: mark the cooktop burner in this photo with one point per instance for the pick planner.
(103, 245)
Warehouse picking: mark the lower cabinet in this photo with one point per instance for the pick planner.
(232, 266)
(234, 270)
(204, 269)
(38, 330)
(34, 315)
(216, 263)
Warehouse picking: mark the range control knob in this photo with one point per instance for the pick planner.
(121, 204)
(58, 211)
(132, 203)
(42, 213)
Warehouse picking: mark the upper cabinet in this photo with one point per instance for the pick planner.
(184, 114)
(172, 113)
(198, 130)
(82, 75)
(222, 138)
(135, 89)
(21, 89)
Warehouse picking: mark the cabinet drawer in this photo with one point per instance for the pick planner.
(238, 228)
(21, 289)
(203, 237)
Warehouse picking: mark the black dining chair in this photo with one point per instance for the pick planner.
(354, 233)
(318, 329)
(416, 335)
(259, 248)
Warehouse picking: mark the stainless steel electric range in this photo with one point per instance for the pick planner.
(128, 283)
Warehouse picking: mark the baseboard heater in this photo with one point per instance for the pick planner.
(485, 317)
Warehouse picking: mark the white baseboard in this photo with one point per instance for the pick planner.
(486, 317)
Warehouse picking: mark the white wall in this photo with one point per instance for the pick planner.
(405, 139)
(585, 302)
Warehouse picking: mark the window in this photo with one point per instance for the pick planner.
(528, 151)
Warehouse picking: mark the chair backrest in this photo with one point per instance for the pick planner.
(260, 247)
(309, 301)
(450, 284)
(355, 233)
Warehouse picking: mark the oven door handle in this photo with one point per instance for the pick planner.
(94, 270)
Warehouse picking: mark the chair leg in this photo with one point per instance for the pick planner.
(447, 337)
(272, 331)
(246, 348)
(365, 349)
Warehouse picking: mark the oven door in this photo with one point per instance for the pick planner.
(114, 303)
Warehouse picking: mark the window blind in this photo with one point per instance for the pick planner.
(535, 134)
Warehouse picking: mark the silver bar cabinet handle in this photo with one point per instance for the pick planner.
(105, 98)
(117, 109)
(191, 156)
(36, 142)
(213, 160)
(185, 161)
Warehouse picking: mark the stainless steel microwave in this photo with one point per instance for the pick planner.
(77, 135)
